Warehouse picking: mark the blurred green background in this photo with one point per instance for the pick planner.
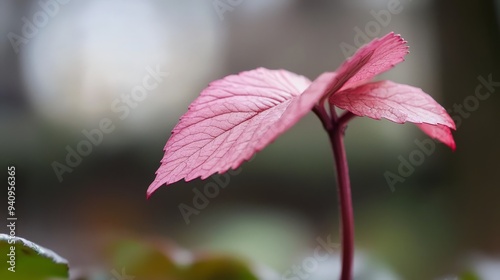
(63, 75)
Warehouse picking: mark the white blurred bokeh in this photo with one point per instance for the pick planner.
(92, 52)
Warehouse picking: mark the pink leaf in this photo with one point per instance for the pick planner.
(439, 132)
(233, 119)
(395, 102)
(372, 59)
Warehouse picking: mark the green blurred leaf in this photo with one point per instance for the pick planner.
(162, 260)
(30, 261)
(142, 260)
(469, 275)
(219, 268)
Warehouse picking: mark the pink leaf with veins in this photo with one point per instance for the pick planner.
(398, 103)
(395, 102)
(233, 119)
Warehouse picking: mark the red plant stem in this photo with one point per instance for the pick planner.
(344, 188)
(335, 126)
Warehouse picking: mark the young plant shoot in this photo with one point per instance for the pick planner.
(239, 115)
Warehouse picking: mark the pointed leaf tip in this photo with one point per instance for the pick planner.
(372, 59)
(439, 132)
